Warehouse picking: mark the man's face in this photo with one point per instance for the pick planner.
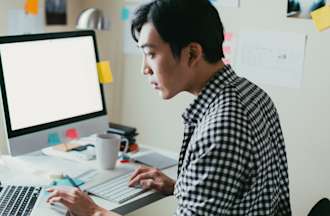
(166, 74)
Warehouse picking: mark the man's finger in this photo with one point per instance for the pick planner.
(57, 193)
(50, 190)
(133, 182)
(148, 184)
(137, 179)
(60, 200)
(138, 171)
(152, 184)
(59, 188)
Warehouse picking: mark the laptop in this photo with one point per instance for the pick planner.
(25, 201)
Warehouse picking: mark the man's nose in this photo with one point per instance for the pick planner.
(146, 70)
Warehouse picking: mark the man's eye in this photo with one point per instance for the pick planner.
(151, 55)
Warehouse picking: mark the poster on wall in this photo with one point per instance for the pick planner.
(275, 58)
(303, 8)
(56, 12)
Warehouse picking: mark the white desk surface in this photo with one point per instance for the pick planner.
(31, 170)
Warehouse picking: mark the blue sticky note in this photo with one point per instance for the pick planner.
(53, 139)
(62, 182)
(66, 182)
(124, 14)
(124, 157)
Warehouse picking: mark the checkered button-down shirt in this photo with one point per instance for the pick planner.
(233, 159)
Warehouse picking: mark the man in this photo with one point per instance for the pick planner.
(233, 159)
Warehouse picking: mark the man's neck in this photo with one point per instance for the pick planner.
(202, 75)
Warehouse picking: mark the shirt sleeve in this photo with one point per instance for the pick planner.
(219, 158)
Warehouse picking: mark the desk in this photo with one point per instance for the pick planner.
(20, 170)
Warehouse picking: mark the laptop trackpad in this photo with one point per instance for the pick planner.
(44, 208)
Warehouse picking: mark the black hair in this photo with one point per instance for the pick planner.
(180, 22)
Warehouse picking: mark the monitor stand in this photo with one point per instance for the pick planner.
(39, 140)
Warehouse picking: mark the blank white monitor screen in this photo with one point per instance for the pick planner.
(50, 80)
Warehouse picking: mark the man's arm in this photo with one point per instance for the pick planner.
(214, 177)
(80, 204)
(77, 202)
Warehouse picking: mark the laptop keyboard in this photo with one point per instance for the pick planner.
(116, 189)
(18, 200)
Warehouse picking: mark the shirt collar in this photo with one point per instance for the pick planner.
(198, 107)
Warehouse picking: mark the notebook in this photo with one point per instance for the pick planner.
(154, 159)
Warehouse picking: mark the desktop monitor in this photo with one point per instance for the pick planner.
(49, 85)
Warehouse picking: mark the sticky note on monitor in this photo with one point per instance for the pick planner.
(71, 133)
(53, 139)
(104, 71)
(321, 18)
(31, 7)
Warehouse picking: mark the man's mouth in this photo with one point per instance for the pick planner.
(154, 85)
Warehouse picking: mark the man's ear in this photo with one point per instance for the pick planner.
(195, 53)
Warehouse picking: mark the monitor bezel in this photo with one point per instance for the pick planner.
(45, 36)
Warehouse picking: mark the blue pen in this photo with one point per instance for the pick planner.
(74, 183)
(71, 181)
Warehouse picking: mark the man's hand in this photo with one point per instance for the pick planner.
(152, 178)
(77, 201)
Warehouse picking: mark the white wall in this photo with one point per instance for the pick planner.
(109, 46)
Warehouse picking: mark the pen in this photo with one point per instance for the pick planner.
(72, 181)
(74, 184)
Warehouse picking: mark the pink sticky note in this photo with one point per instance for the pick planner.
(226, 49)
(71, 133)
(226, 61)
(228, 36)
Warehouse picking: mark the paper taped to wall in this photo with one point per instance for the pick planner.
(275, 58)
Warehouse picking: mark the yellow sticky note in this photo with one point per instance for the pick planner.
(31, 7)
(321, 17)
(104, 71)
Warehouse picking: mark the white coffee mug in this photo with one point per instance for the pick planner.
(107, 148)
